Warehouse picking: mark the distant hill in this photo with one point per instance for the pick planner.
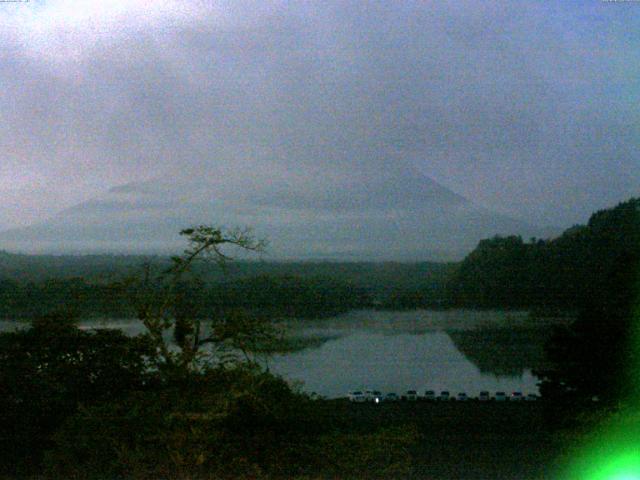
(373, 276)
(575, 268)
(35, 268)
(398, 214)
(33, 285)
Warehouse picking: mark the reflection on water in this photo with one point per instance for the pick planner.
(365, 359)
(505, 352)
(397, 351)
(457, 350)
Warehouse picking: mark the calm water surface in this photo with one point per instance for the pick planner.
(398, 351)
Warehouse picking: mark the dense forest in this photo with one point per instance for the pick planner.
(96, 286)
(562, 273)
(285, 296)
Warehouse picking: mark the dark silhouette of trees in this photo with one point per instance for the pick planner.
(562, 273)
(48, 371)
(591, 271)
(496, 274)
(51, 370)
(170, 305)
(599, 354)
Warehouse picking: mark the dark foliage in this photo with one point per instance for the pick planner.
(495, 274)
(289, 296)
(598, 355)
(567, 273)
(32, 286)
(222, 423)
(591, 270)
(49, 370)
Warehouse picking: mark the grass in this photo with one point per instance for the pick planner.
(465, 440)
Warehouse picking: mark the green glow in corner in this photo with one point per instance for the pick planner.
(613, 451)
(623, 467)
(624, 476)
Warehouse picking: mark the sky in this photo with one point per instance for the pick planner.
(526, 108)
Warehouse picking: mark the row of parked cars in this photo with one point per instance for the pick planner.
(375, 396)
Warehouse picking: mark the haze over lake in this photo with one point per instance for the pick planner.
(397, 351)
(456, 350)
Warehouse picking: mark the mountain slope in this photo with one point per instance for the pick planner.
(396, 214)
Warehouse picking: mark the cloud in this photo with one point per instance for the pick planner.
(515, 105)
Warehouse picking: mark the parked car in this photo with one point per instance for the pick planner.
(445, 396)
(391, 397)
(500, 397)
(516, 397)
(430, 396)
(484, 396)
(532, 397)
(462, 397)
(411, 395)
(376, 396)
(357, 397)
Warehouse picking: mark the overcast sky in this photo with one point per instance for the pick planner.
(530, 108)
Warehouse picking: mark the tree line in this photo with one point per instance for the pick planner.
(564, 273)
(32, 286)
(285, 296)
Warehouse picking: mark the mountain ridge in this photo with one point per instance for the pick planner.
(393, 215)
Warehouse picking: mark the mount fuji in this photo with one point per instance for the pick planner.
(364, 214)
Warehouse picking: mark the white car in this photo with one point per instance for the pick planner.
(500, 397)
(532, 397)
(430, 396)
(376, 396)
(516, 397)
(357, 397)
(445, 396)
(411, 395)
(462, 397)
(484, 396)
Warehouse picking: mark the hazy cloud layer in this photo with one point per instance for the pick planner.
(528, 108)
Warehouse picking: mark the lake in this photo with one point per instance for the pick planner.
(456, 350)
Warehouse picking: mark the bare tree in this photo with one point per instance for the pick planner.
(164, 304)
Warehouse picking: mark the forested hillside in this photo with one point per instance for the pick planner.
(560, 273)
(95, 286)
